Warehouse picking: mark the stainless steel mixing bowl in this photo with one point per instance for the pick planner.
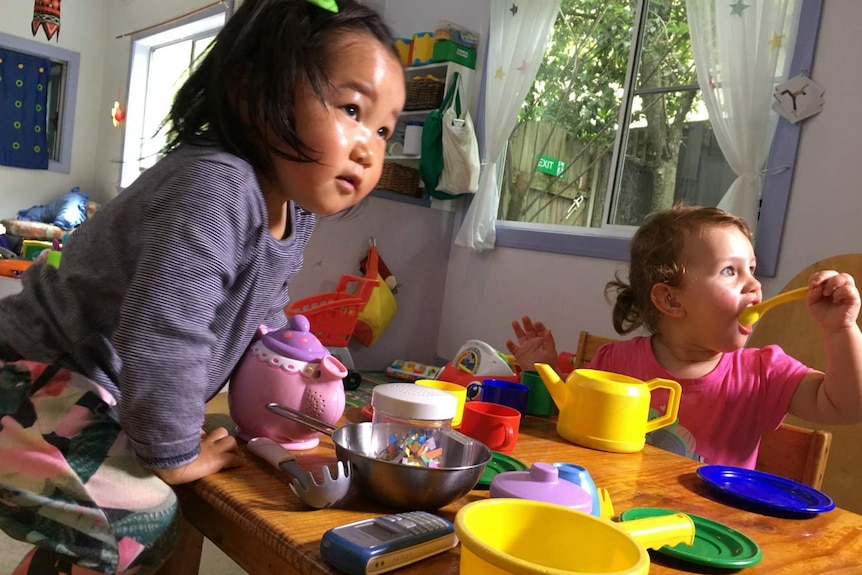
(407, 486)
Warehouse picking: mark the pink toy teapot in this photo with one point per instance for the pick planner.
(287, 366)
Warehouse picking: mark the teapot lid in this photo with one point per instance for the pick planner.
(296, 341)
(542, 483)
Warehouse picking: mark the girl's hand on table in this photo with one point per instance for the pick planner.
(219, 451)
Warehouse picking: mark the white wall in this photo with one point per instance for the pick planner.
(414, 243)
(82, 30)
(484, 292)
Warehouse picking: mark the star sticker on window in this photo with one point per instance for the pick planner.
(500, 73)
(776, 41)
(514, 9)
(737, 7)
(523, 67)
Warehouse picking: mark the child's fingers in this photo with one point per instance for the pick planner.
(519, 331)
(825, 278)
(830, 282)
(229, 459)
(215, 435)
(846, 294)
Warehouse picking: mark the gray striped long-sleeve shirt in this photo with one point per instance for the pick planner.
(159, 294)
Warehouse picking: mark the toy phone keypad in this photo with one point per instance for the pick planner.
(384, 543)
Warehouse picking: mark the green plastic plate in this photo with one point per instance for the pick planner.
(499, 463)
(715, 544)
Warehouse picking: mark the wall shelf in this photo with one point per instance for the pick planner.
(424, 201)
(444, 71)
(416, 113)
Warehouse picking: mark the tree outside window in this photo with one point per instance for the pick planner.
(614, 127)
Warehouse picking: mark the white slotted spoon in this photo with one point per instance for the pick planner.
(304, 486)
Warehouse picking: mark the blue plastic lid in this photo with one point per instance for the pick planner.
(296, 341)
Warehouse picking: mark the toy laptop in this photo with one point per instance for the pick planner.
(475, 361)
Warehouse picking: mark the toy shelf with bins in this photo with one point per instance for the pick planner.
(445, 70)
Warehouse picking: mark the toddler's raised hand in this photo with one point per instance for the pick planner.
(833, 300)
(219, 451)
(535, 344)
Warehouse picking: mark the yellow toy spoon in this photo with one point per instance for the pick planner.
(752, 313)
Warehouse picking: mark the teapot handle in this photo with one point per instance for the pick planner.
(672, 410)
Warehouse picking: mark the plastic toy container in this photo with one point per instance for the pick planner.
(422, 48)
(413, 138)
(403, 47)
(416, 405)
(446, 51)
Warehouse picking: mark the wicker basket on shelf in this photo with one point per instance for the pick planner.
(400, 179)
(424, 93)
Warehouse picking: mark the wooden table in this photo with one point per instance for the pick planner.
(252, 515)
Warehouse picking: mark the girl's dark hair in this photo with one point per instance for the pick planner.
(656, 257)
(266, 51)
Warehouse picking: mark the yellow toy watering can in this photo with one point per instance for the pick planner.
(607, 411)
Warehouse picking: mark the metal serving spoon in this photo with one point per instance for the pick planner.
(752, 313)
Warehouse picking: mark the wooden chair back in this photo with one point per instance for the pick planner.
(791, 327)
(588, 345)
(790, 451)
(795, 452)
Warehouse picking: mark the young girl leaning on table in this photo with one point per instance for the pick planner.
(106, 363)
(691, 272)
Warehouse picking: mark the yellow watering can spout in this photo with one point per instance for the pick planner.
(556, 386)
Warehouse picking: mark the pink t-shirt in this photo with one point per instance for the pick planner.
(721, 415)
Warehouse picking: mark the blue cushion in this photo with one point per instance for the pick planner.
(68, 210)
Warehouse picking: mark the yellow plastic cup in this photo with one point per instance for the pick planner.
(459, 391)
(527, 537)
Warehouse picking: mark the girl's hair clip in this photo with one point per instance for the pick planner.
(326, 5)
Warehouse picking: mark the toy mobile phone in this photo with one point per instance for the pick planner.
(384, 543)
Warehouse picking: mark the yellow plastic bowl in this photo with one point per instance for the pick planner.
(525, 537)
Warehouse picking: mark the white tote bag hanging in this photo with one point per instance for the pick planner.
(460, 173)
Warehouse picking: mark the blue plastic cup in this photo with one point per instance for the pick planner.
(504, 392)
(581, 477)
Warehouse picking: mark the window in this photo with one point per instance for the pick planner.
(62, 96)
(616, 111)
(161, 60)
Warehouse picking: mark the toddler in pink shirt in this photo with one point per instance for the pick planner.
(691, 271)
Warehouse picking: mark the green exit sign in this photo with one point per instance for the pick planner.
(550, 166)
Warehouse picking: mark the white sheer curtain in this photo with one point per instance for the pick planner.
(741, 50)
(517, 34)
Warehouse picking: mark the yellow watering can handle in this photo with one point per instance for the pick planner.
(672, 403)
(656, 532)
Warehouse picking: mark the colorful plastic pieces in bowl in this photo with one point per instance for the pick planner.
(417, 448)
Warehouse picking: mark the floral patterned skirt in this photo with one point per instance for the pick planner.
(69, 481)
